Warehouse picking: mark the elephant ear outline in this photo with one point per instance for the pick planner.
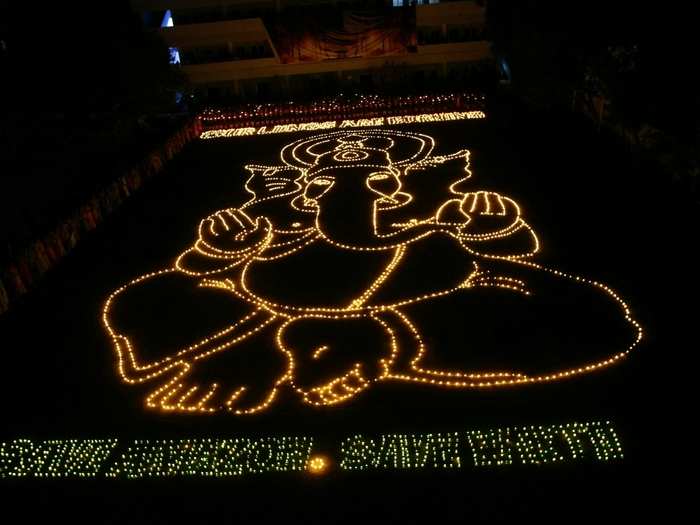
(456, 187)
(268, 182)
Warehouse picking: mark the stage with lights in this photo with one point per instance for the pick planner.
(403, 296)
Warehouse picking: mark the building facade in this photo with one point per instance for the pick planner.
(265, 49)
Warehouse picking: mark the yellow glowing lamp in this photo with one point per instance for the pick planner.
(318, 464)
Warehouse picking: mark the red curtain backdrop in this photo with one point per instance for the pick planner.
(308, 38)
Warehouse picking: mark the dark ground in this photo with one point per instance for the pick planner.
(599, 213)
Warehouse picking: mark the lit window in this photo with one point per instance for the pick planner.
(174, 55)
(167, 19)
(173, 51)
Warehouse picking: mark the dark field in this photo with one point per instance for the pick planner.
(597, 212)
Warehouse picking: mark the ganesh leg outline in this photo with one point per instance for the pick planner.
(409, 350)
(335, 358)
(242, 377)
(497, 333)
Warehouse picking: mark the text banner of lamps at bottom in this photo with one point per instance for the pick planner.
(595, 441)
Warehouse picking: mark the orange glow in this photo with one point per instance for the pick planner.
(318, 464)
